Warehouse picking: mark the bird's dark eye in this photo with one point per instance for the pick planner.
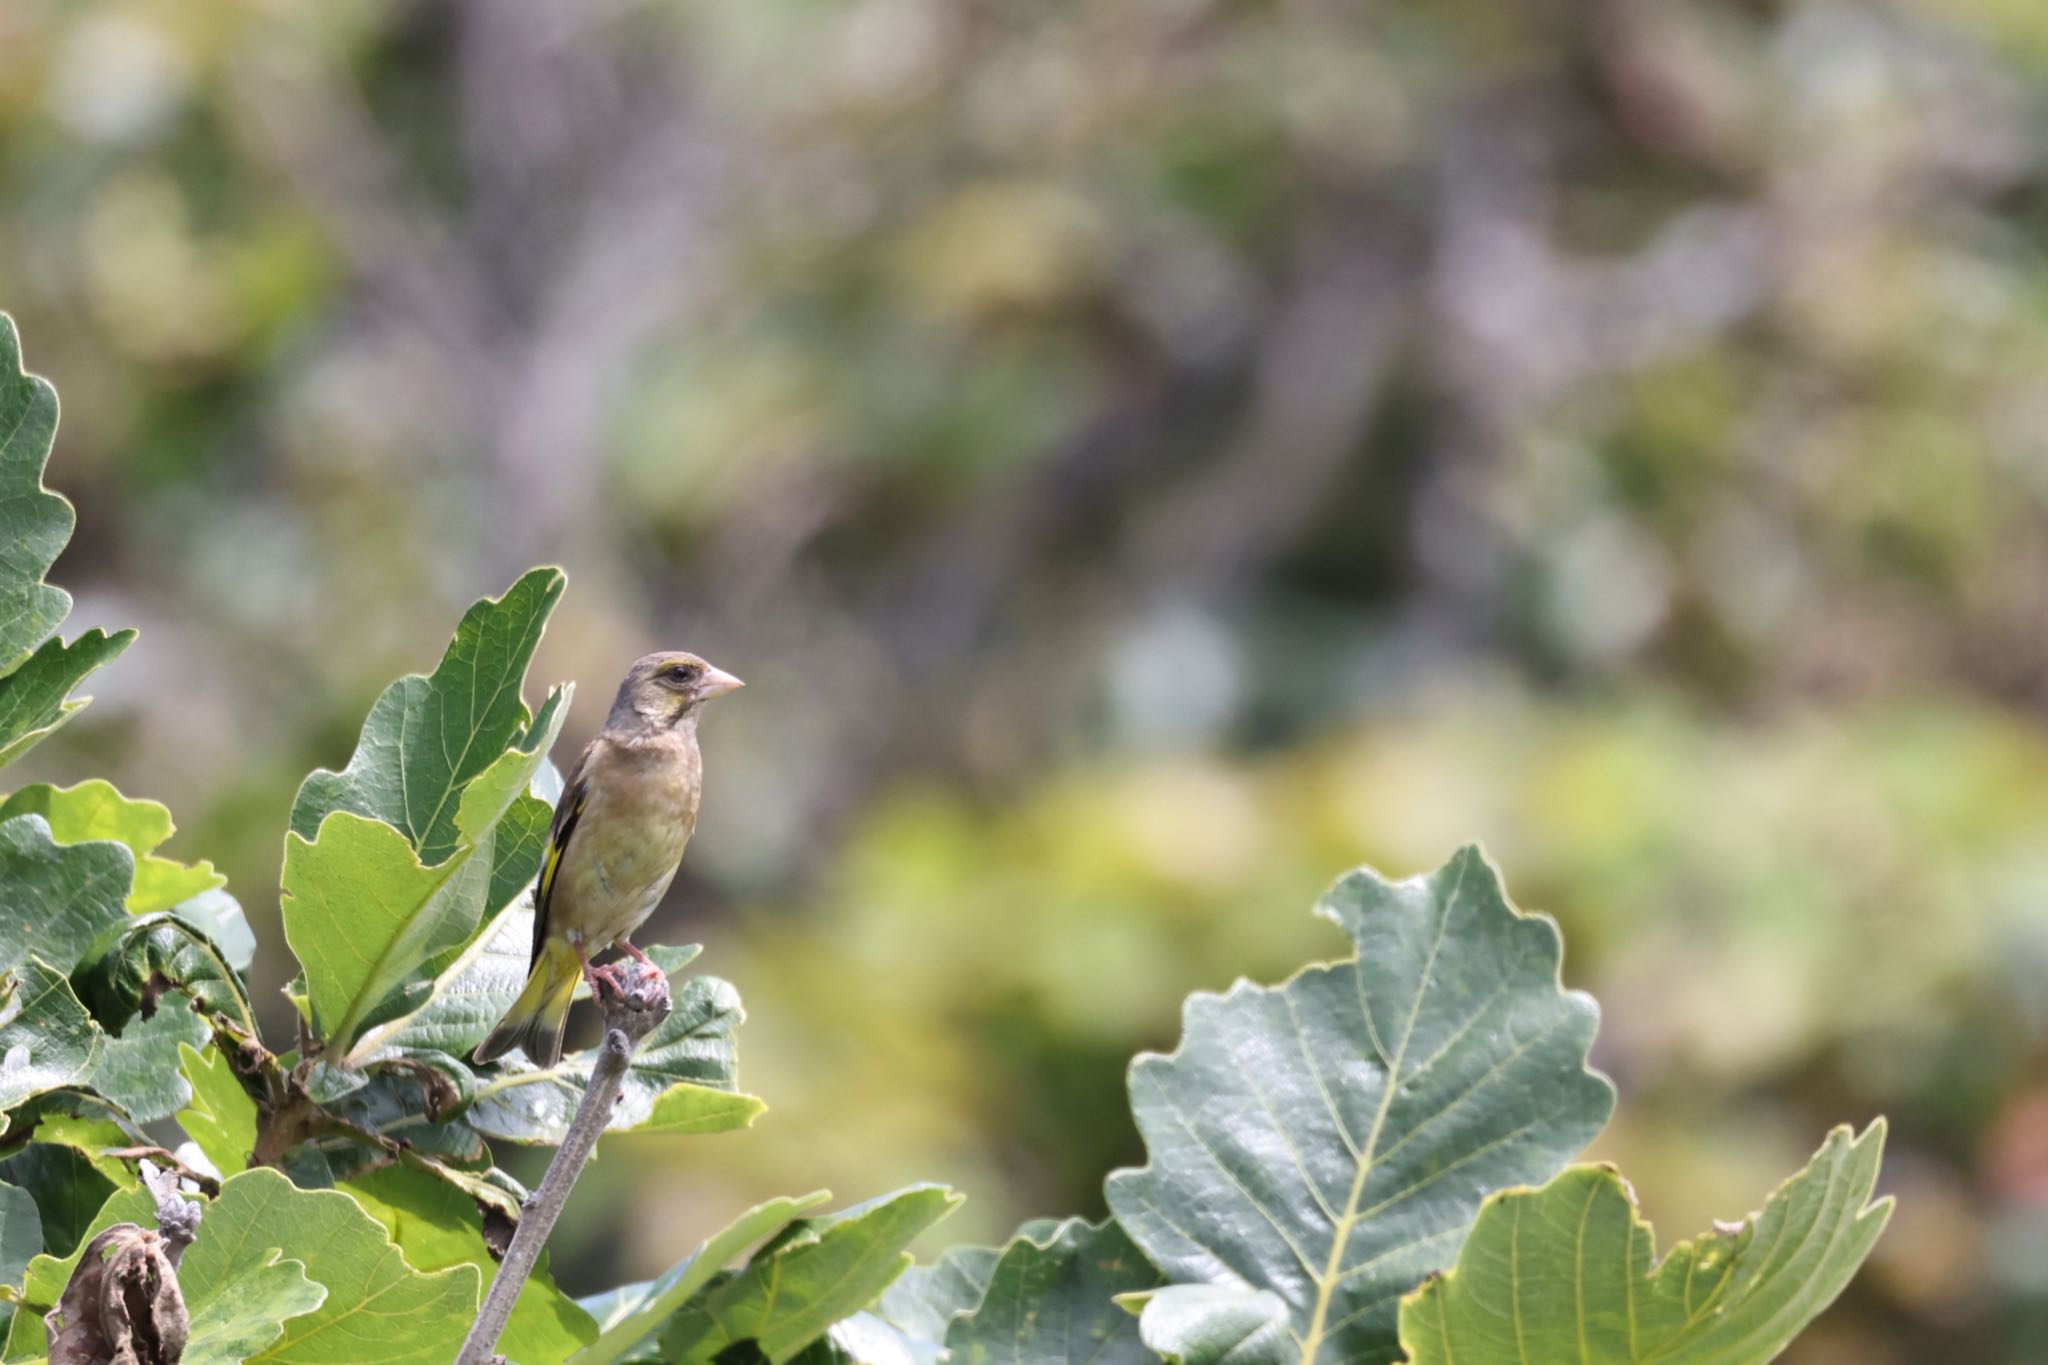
(682, 673)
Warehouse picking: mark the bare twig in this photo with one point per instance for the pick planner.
(163, 1157)
(640, 1003)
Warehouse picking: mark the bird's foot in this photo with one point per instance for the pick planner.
(638, 956)
(599, 979)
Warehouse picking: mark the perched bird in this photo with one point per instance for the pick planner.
(625, 815)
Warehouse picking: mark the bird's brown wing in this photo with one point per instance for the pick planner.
(568, 810)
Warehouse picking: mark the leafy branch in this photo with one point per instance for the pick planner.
(1366, 1163)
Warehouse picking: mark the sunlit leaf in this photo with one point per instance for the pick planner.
(95, 810)
(221, 1117)
(1216, 1324)
(237, 1310)
(1567, 1272)
(816, 1272)
(1330, 1140)
(363, 915)
(629, 1316)
(427, 737)
(1055, 1299)
(436, 1227)
(378, 1310)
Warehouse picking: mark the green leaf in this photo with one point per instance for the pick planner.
(35, 524)
(467, 999)
(221, 1117)
(363, 915)
(46, 1038)
(37, 670)
(95, 810)
(436, 1227)
(517, 847)
(36, 698)
(21, 1233)
(816, 1272)
(1055, 1299)
(627, 1317)
(67, 1189)
(1565, 1273)
(58, 898)
(428, 737)
(233, 1319)
(680, 1081)
(134, 961)
(378, 1310)
(93, 1139)
(1330, 1139)
(863, 1339)
(1216, 1324)
(138, 1070)
(926, 1298)
(219, 916)
(490, 794)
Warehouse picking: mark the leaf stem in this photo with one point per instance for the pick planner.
(630, 1014)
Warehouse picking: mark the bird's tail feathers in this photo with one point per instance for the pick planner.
(534, 1023)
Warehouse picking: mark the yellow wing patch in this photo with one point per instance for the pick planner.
(558, 840)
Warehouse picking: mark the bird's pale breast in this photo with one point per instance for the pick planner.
(640, 813)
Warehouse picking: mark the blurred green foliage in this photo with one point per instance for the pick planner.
(1142, 456)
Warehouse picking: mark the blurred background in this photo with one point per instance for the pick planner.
(1145, 457)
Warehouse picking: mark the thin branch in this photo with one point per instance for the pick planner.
(640, 1003)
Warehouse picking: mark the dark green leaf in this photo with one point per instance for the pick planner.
(219, 916)
(816, 1272)
(35, 523)
(66, 1189)
(1566, 1273)
(1056, 1300)
(59, 899)
(427, 737)
(36, 697)
(134, 961)
(1330, 1140)
(46, 1040)
(21, 1233)
(139, 1069)
(680, 1081)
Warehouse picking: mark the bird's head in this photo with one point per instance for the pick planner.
(664, 688)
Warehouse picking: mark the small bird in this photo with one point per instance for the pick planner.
(625, 815)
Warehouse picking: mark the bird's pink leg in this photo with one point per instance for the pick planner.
(638, 956)
(593, 975)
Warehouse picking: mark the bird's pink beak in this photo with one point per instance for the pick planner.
(717, 682)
